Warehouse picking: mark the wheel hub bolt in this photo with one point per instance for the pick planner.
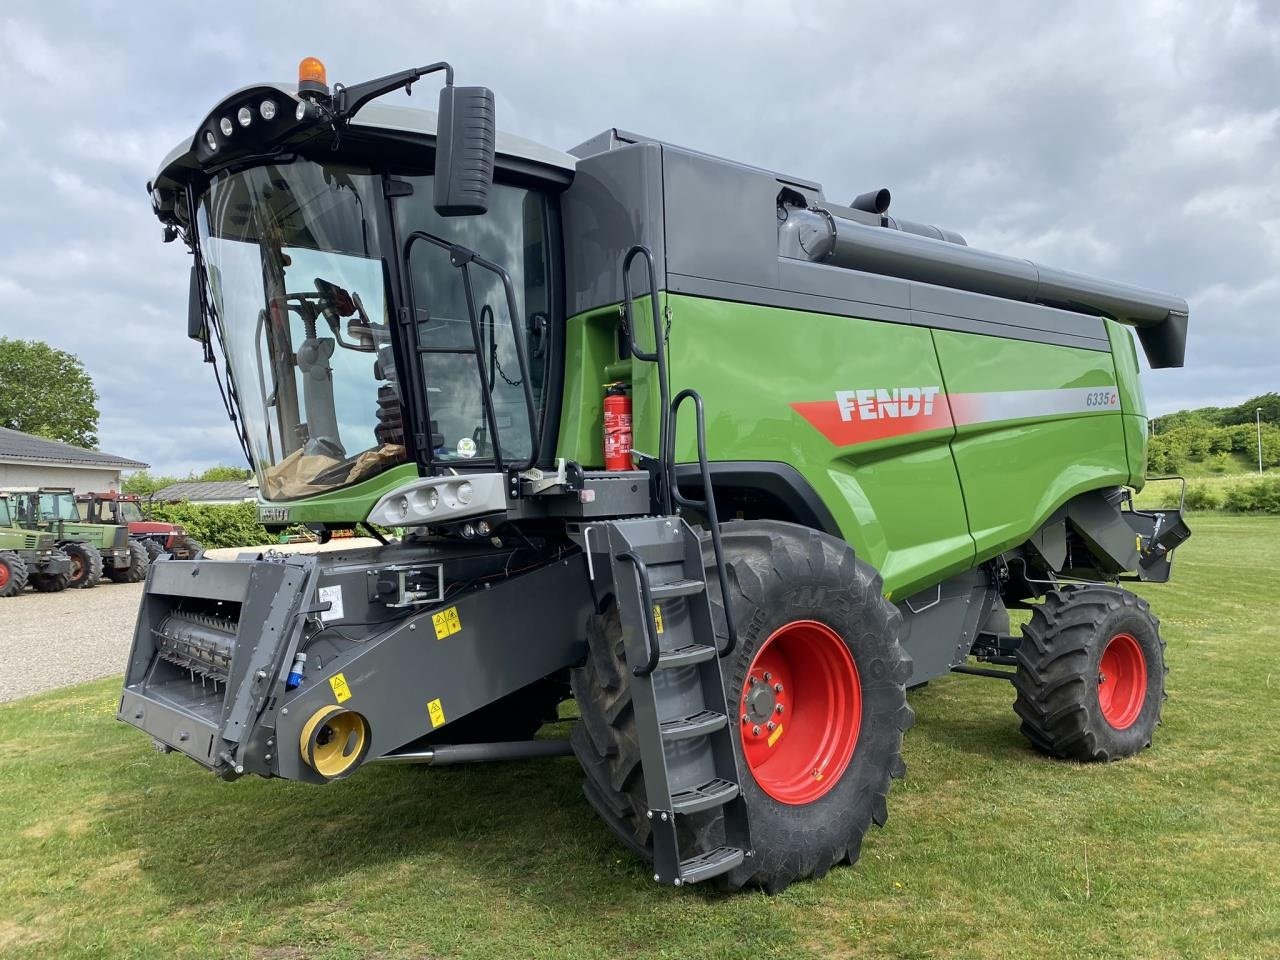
(778, 708)
(744, 718)
(777, 688)
(767, 676)
(772, 725)
(755, 731)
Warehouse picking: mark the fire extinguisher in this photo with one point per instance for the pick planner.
(617, 427)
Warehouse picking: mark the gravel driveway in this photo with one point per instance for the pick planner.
(50, 640)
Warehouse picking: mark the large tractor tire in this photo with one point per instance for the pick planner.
(193, 547)
(86, 565)
(153, 549)
(136, 571)
(49, 582)
(13, 574)
(1090, 678)
(812, 617)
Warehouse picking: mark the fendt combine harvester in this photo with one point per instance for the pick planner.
(886, 440)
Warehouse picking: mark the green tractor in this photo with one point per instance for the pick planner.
(27, 557)
(95, 549)
(835, 449)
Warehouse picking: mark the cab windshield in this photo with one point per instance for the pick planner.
(58, 506)
(128, 512)
(295, 275)
(294, 256)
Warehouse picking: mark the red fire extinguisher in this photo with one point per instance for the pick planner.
(617, 427)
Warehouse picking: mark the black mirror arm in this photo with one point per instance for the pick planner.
(348, 100)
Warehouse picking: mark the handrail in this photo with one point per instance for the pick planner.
(650, 626)
(658, 356)
(707, 505)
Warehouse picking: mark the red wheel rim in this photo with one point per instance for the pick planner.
(1122, 681)
(4, 575)
(799, 752)
(77, 567)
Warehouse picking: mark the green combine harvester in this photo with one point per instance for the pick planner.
(95, 549)
(29, 558)
(729, 463)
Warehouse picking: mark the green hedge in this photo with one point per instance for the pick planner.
(216, 524)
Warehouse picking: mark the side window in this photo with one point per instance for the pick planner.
(514, 235)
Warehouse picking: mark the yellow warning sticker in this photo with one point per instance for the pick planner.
(773, 737)
(435, 710)
(657, 617)
(340, 689)
(446, 622)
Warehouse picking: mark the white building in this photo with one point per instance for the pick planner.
(30, 461)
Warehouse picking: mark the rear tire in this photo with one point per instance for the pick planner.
(86, 565)
(193, 547)
(153, 550)
(1090, 678)
(13, 574)
(136, 571)
(779, 574)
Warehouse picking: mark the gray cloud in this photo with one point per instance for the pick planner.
(1136, 141)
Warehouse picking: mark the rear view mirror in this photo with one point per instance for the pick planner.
(465, 139)
(195, 312)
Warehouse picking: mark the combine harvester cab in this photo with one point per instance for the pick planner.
(551, 375)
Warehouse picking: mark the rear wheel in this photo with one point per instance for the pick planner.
(193, 548)
(136, 571)
(813, 622)
(13, 574)
(1090, 678)
(86, 565)
(153, 549)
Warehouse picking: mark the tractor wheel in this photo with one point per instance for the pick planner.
(813, 616)
(193, 547)
(86, 565)
(49, 582)
(13, 574)
(1090, 678)
(136, 572)
(153, 549)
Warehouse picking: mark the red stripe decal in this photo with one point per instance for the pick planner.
(826, 417)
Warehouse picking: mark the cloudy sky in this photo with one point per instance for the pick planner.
(1136, 141)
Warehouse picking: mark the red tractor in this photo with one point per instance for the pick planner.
(156, 536)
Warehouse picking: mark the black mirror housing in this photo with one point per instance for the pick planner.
(466, 135)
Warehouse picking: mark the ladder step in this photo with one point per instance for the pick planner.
(710, 864)
(694, 725)
(677, 588)
(713, 793)
(685, 656)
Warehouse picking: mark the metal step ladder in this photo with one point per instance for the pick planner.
(677, 692)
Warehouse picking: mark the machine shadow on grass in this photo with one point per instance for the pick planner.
(521, 827)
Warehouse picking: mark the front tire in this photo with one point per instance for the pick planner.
(13, 574)
(791, 590)
(86, 565)
(49, 582)
(1090, 678)
(136, 571)
(154, 550)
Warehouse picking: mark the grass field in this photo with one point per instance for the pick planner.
(109, 849)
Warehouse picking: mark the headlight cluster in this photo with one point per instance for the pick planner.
(244, 117)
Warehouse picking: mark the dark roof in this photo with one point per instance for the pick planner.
(202, 491)
(16, 445)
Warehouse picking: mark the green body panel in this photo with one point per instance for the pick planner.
(921, 505)
(341, 505)
(11, 538)
(1016, 471)
(1131, 401)
(591, 362)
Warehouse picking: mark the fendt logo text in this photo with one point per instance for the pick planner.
(882, 404)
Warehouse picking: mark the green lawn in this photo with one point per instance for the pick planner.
(110, 849)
